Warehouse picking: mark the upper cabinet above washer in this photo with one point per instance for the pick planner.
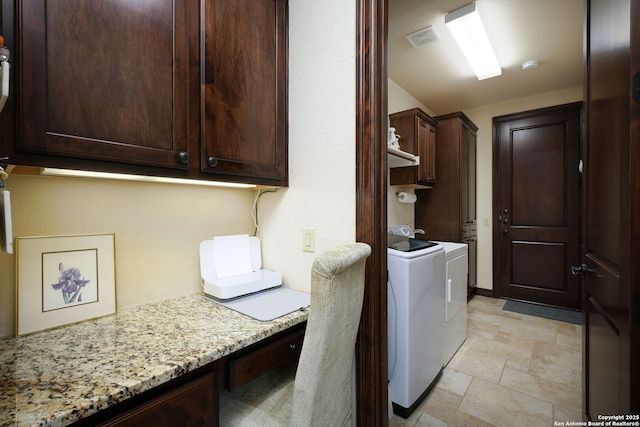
(417, 132)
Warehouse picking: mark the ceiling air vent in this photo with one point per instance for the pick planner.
(423, 36)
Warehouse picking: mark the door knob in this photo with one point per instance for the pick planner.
(582, 270)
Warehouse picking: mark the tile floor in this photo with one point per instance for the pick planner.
(514, 369)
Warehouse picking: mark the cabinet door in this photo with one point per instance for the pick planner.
(244, 66)
(193, 404)
(426, 142)
(471, 176)
(473, 261)
(103, 80)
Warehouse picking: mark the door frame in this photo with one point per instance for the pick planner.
(371, 209)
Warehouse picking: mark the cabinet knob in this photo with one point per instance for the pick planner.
(212, 161)
(183, 157)
(293, 347)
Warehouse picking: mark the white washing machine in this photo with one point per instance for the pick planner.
(455, 327)
(416, 316)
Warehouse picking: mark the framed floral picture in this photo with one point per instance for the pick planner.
(63, 279)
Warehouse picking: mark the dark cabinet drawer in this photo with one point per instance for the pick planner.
(192, 404)
(264, 358)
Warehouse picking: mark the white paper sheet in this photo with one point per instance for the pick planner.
(232, 255)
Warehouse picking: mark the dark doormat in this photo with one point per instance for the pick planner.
(554, 313)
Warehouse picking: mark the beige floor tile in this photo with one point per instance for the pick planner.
(517, 366)
(502, 406)
(441, 404)
(454, 381)
(462, 419)
(569, 340)
(514, 340)
(565, 395)
(555, 373)
(478, 328)
(498, 348)
(566, 357)
(486, 317)
(564, 415)
(525, 328)
(427, 420)
(478, 364)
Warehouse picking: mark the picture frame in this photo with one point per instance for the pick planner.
(63, 279)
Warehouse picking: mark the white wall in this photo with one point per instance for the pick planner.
(158, 227)
(483, 118)
(322, 112)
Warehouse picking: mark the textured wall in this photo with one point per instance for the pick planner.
(157, 227)
(321, 141)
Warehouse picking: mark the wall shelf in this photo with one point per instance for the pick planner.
(398, 158)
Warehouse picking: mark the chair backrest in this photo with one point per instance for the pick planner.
(322, 390)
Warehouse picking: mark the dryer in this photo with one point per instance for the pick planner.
(455, 327)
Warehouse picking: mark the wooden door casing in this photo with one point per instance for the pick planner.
(537, 154)
(611, 244)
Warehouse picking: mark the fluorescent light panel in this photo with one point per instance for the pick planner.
(140, 178)
(467, 30)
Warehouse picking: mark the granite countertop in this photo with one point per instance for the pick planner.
(57, 377)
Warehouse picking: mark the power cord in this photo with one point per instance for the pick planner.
(254, 210)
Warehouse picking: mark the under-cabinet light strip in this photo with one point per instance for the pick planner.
(140, 178)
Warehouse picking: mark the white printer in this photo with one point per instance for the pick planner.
(230, 267)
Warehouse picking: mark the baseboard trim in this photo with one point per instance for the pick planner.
(485, 292)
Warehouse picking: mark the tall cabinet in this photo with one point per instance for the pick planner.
(448, 211)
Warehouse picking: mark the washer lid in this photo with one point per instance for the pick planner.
(410, 245)
(417, 252)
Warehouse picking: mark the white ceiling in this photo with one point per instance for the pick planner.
(437, 74)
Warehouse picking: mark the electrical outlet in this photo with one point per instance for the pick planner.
(308, 240)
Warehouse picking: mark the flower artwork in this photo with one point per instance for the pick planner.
(62, 280)
(70, 284)
(70, 278)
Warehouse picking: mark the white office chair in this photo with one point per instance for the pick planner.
(319, 394)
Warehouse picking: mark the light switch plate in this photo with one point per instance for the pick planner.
(308, 239)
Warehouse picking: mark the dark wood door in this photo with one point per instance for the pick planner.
(103, 80)
(537, 211)
(244, 107)
(611, 244)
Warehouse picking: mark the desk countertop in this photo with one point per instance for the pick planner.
(57, 377)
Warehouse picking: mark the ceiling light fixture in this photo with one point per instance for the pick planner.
(467, 30)
(530, 65)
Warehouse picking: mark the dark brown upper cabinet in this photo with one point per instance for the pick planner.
(417, 132)
(181, 88)
(245, 81)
